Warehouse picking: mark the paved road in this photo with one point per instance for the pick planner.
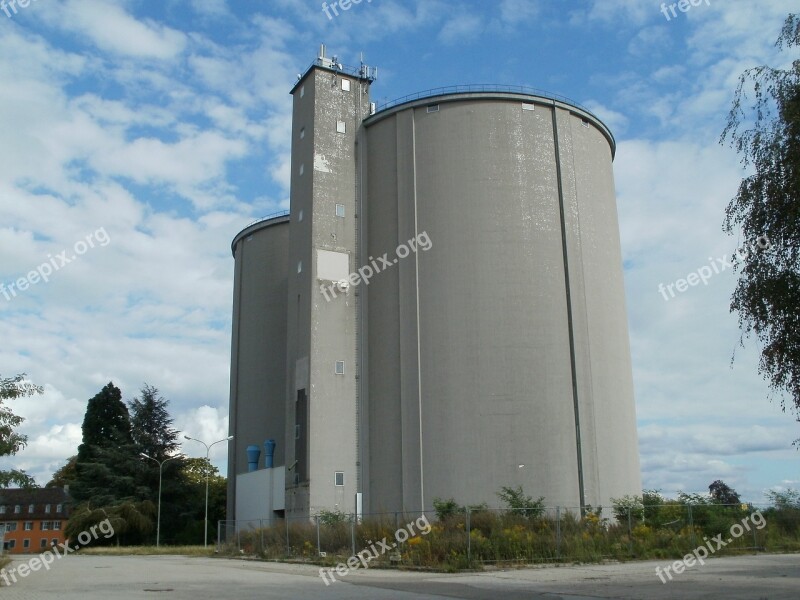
(770, 577)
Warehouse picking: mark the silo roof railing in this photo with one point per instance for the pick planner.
(481, 87)
(275, 215)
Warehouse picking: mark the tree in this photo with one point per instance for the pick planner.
(766, 132)
(106, 465)
(722, 494)
(151, 425)
(65, 475)
(12, 441)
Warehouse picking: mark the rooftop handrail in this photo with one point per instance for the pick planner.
(479, 87)
(275, 215)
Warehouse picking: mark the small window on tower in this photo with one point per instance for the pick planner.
(302, 91)
(341, 127)
(302, 169)
(527, 106)
(340, 210)
(585, 122)
(302, 132)
(433, 108)
(345, 85)
(339, 368)
(338, 478)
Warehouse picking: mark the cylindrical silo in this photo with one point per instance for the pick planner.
(258, 345)
(500, 356)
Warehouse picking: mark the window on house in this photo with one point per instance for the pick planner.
(338, 478)
(56, 525)
(10, 544)
(299, 266)
(59, 508)
(54, 541)
(2, 510)
(28, 525)
(43, 543)
(45, 525)
(47, 508)
(26, 543)
(31, 508)
(17, 509)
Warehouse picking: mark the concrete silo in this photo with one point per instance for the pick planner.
(258, 347)
(497, 357)
(500, 357)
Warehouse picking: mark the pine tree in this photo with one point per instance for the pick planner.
(106, 466)
(151, 425)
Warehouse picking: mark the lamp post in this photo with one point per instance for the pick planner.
(160, 467)
(208, 451)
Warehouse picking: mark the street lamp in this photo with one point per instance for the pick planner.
(208, 451)
(160, 466)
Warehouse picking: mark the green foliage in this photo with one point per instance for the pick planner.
(721, 493)
(151, 425)
(519, 503)
(765, 130)
(331, 517)
(446, 508)
(65, 475)
(107, 465)
(628, 507)
(132, 522)
(12, 441)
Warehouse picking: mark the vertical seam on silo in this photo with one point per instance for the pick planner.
(416, 291)
(570, 325)
(595, 471)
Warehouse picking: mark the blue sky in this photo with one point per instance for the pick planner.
(163, 128)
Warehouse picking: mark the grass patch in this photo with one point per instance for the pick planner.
(148, 550)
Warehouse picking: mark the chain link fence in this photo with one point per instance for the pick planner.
(475, 536)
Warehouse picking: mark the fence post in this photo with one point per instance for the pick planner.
(353, 532)
(469, 540)
(238, 535)
(630, 533)
(219, 530)
(691, 524)
(288, 548)
(558, 532)
(319, 548)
